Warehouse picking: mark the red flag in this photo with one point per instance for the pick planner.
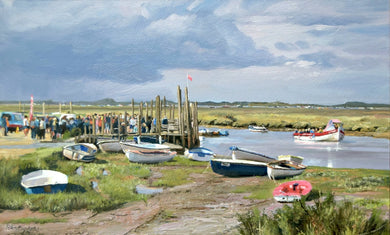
(189, 77)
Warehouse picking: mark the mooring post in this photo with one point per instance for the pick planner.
(158, 115)
(188, 118)
(132, 107)
(165, 107)
(139, 119)
(180, 116)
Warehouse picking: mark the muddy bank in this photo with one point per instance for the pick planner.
(203, 206)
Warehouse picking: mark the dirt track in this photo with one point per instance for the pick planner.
(204, 206)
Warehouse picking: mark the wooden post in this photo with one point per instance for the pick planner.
(165, 106)
(139, 118)
(132, 107)
(195, 127)
(60, 107)
(151, 107)
(103, 123)
(20, 106)
(111, 118)
(147, 110)
(173, 111)
(43, 108)
(70, 107)
(181, 124)
(94, 126)
(188, 118)
(119, 126)
(158, 115)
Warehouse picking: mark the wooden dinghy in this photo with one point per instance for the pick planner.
(80, 152)
(199, 154)
(292, 190)
(238, 168)
(149, 157)
(245, 154)
(44, 181)
(283, 169)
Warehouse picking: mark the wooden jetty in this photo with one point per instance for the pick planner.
(181, 129)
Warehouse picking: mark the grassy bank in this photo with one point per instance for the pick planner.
(118, 187)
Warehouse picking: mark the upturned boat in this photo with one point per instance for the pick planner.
(150, 157)
(237, 168)
(284, 169)
(245, 154)
(80, 152)
(333, 131)
(199, 154)
(110, 146)
(144, 147)
(292, 190)
(44, 181)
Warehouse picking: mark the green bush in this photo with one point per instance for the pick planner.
(324, 217)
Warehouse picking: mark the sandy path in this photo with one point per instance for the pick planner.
(204, 206)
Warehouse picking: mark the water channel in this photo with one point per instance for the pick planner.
(352, 152)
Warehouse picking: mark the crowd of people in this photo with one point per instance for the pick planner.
(54, 127)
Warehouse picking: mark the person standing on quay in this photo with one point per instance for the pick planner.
(26, 126)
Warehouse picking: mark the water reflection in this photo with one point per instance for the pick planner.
(352, 152)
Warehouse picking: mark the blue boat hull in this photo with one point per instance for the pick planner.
(237, 169)
(48, 189)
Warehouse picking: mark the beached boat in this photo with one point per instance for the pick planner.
(333, 131)
(257, 128)
(237, 168)
(148, 139)
(292, 190)
(245, 154)
(295, 159)
(111, 146)
(283, 169)
(199, 154)
(150, 157)
(44, 181)
(144, 147)
(80, 152)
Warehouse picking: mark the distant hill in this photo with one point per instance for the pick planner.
(112, 102)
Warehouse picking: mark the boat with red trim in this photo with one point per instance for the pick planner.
(333, 131)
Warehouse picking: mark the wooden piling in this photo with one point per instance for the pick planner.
(188, 118)
(180, 116)
(132, 107)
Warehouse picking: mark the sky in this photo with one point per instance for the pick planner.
(295, 51)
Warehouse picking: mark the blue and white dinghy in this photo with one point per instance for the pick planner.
(44, 181)
(199, 154)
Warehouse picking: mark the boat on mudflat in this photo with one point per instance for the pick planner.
(80, 152)
(150, 157)
(245, 154)
(199, 154)
(110, 146)
(333, 131)
(257, 128)
(292, 190)
(295, 159)
(44, 181)
(237, 168)
(144, 147)
(284, 169)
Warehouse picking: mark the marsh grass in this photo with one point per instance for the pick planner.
(324, 217)
(261, 191)
(115, 189)
(36, 221)
(297, 118)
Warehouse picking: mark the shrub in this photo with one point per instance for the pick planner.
(324, 217)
